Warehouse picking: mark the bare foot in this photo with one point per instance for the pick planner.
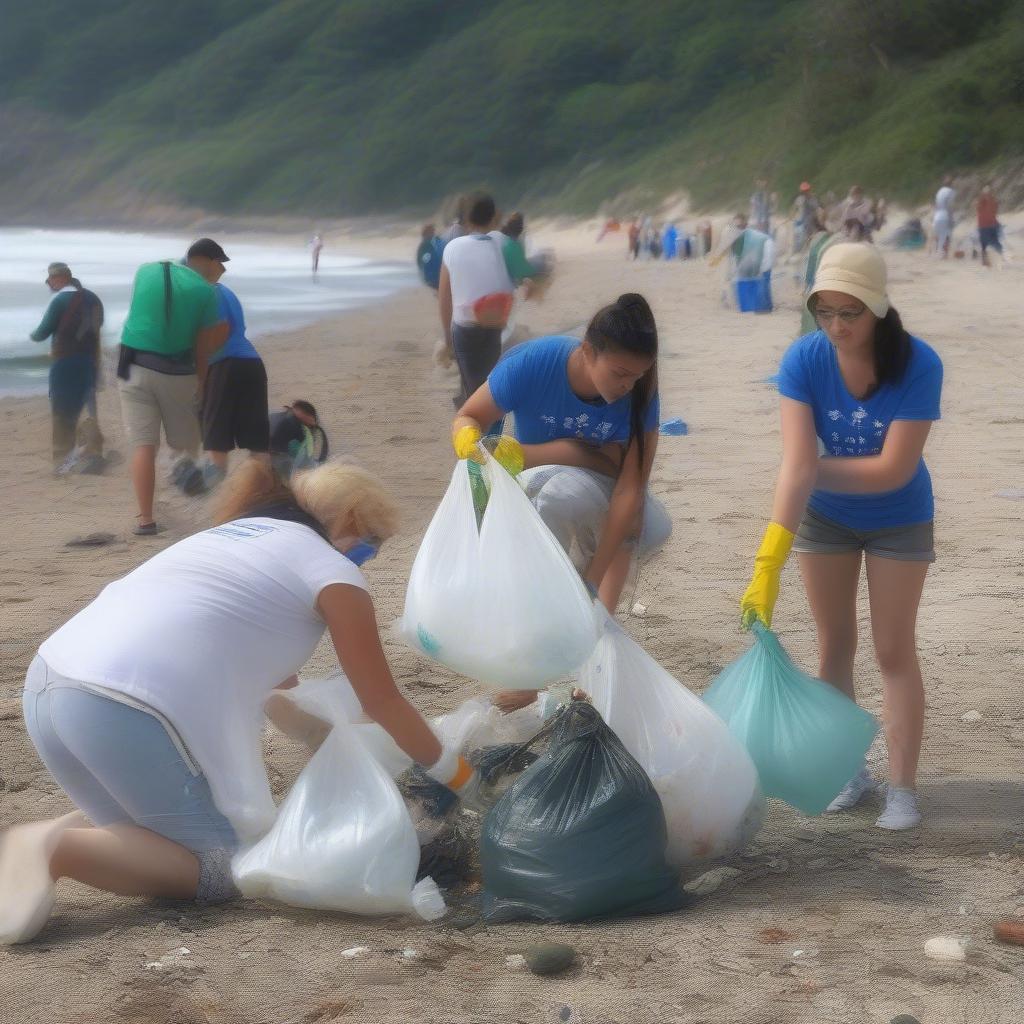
(508, 701)
(26, 886)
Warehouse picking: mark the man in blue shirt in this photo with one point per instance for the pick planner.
(235, 413)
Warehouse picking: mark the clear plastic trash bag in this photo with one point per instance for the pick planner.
(805, 737)
(343, 839)
(580, 833)
(706, 780)
(503, 604)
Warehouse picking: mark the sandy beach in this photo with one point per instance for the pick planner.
(826, 920)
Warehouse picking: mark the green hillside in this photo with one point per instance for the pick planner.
(350, 106)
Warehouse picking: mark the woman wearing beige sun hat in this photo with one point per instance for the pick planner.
(858, 397)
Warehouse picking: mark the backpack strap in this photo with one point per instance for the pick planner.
(167, 290)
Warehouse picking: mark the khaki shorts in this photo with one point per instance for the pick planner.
(149, 399)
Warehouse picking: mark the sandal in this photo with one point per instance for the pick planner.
(145, 530)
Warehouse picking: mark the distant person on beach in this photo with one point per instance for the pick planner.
(457, 228)
(297, 441)
(806, 209)
(174, 323)
(751, 255)
(633, 236)
(72, 320)
(428, 256)
(147, 706)
(761, 208)
(316, 246)
(942, 219)
(856, 218)
(234, 397)
(988, 224)
(858, 398)
(586, 430)
(670, 242)
(480, 272)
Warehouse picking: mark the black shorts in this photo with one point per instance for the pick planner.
(235, 413)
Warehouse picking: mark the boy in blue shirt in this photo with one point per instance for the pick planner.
(235, 412)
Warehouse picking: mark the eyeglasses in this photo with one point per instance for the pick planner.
(825, 316)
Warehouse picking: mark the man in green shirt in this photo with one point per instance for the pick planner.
(174, 323)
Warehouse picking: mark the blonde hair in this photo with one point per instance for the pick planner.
(338, 496)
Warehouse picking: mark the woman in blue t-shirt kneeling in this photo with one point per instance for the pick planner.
(586, 418)
(862, 393)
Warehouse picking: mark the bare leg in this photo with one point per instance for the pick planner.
(143, 471)
(831, 584)
(895, 589)
(126, 860)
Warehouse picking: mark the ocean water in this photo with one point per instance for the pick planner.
(273, 282)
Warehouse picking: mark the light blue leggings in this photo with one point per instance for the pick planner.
(119, 766)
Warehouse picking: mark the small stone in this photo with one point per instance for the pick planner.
(411, 954)
(711, 880)
(904, 1018)
(946, 947)
(516, 962)
(639, 610)
(354, 951)
(565, 1013)
(549, 958)
(971, 716)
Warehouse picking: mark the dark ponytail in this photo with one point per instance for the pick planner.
(891, 348)
(627, 325)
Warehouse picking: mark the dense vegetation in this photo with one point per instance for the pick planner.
(343, 106)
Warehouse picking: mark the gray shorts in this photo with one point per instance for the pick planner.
(120, 765)
(820, 536)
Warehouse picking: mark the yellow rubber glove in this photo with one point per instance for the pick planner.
(759, 600)
(508, 452)
(465, 442)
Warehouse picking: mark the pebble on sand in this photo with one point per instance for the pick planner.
(549, 958)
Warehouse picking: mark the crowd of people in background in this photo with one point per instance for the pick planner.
(187, 373)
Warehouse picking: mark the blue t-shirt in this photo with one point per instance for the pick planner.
(532, 381)
(238, 346)
(848, 426)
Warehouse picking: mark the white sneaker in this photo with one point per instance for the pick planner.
(901, 810)
(860, 786)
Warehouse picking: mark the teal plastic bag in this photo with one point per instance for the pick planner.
(806, 739)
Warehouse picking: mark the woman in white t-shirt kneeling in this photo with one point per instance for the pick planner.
(147, 707)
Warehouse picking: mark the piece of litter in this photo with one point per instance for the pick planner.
(565, 1013)
(711, 880)
(639, 610)
(798, 952)
(354, 951)
(971, 716)
(1014, 494)
(674, 428)
(946, 947)
(410, 954)
(516, 962)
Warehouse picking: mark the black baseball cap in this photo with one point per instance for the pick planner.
(209, 248)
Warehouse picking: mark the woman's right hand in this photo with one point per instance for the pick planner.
(759, 600)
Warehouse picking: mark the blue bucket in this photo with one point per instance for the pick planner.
(755, 295)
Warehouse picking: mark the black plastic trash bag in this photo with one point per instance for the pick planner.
(581, 834)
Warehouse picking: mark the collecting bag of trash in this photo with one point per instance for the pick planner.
(580, 834)
(501, 604)
(706, 780)
(343, 838)
(805, 737)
